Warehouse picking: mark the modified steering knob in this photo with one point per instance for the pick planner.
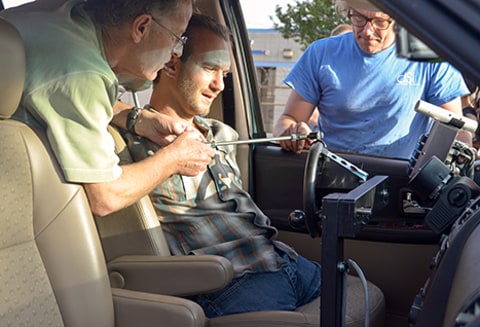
(296, 220)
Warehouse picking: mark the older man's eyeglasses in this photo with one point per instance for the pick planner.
(179, 40)
(359, 20)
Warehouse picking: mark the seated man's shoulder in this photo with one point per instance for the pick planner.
(220, 130)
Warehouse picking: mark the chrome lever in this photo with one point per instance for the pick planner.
(293, 137)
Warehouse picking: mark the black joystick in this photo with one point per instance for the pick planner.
(296, 220)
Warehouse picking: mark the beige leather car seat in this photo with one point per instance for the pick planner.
(52, 268)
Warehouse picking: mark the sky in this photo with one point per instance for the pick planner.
(257, 12)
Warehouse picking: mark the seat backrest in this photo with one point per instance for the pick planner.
(134, 230)
(451, 295)
(52, 266)
(464, 298)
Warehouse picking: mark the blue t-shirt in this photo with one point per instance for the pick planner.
(366, 101)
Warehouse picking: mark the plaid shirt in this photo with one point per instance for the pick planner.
(211, 213)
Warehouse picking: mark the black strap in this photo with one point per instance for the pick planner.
(132, 117)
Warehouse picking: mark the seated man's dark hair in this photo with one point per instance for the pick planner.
(202, 21)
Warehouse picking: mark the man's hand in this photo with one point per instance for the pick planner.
(159, 128)
(296, 146)
(189, 154)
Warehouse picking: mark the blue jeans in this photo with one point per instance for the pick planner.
(296, 284)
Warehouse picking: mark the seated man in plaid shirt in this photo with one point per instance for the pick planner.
(211, 213)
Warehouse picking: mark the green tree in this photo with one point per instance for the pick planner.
(307, 20)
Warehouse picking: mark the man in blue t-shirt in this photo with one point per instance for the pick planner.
(365, 94)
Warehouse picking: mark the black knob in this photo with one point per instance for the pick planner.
(296, 220)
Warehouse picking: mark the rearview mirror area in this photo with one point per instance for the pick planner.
(410, 47)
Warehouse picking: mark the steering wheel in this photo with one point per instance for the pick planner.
(312, 213)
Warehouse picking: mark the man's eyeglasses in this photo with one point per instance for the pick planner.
(359, 20)
(179, 40)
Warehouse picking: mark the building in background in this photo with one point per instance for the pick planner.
(273, 56)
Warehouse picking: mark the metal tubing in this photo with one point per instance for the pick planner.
(293, 137)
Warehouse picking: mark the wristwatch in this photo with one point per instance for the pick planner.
(132, 119)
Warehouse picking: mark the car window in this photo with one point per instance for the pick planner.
(274, 57)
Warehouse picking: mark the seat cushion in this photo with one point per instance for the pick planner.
(355, 306)
(309, 314)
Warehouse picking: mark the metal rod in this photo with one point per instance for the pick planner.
(293, 137)
(296, 137)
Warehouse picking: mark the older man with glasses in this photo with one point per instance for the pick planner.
(74, 54)
(179, 41)
(365, 94)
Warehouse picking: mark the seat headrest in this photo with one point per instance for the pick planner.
(12, 69)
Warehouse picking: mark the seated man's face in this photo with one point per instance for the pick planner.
(200, 77)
